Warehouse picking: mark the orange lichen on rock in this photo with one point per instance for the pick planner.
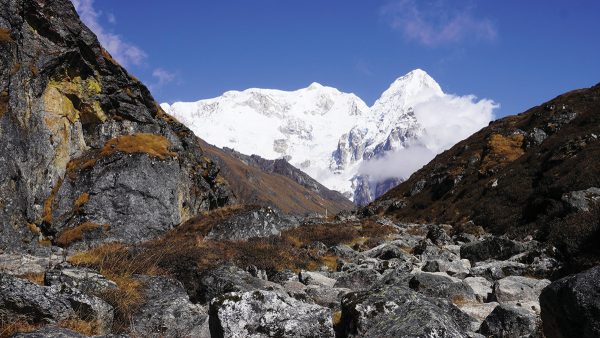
(151, 144)
(81, 200)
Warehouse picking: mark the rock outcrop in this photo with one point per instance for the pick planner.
(86, 154)
(534, 173)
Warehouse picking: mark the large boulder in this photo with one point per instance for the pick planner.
(267, 314)
(507, 321)
(571, 306)
(443, 286)
(400, 312)
(359, 279)
(252, 222)
(21, 299)
(491, 248)
(214, 282)
(167, 311)
(518, 288)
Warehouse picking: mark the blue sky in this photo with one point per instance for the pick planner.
(518, 53)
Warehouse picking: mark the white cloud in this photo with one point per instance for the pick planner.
(446, 120)
(163, 76)
(124, 52)
(433, 23)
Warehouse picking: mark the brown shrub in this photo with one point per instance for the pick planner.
(47, 215)
(87, 328)
(68, 236)
(10, 327)
(34, 277)
(151, 144)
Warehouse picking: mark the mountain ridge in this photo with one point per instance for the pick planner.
(321, 130)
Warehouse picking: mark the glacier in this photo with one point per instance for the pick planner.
(335, 137)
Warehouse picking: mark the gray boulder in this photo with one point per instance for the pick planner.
(571, 306)
(491, 248)
(315, 278)
(494, 270)
(481, 286)
(267, 314)
(254, 222)
(443, 286)
(84, 279)
(508, 321)
(400, 312)
(359, 279)
(518, 288)
(223, 279)
(41, 304)
(167, 311)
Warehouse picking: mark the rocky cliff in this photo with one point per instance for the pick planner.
(536, 173)
(84, 148)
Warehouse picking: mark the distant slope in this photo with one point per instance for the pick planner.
(534, 173)
(277, 183)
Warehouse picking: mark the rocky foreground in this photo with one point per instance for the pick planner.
(416, 281)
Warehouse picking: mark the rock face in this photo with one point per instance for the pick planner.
(267, 314)
(510, 321)
(22, 299)
(534, 173)
(571, 306)
(86, 154)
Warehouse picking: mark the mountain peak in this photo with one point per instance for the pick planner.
(315, 85)
(413, 82)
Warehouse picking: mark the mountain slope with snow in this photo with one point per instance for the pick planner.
(334, 136)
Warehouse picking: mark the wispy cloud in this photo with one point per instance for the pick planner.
(126, 53)
(434, 23)
(163, 77)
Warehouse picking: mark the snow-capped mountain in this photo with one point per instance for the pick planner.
(326, 133)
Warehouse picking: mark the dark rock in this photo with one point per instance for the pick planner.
(257, 222)
(325, 296)
(315, 278)
(508, 321)
(65, 106)
(167, 311)
(443, 286)
(386, 252)
(86, 280)
(267, 314)
(459, 267)
(571, 306)
(359, 279)
(41, 304)
(399, 312)
(223, 279)
(491, 248)
(580, 200)
(438, 235)
(57, 332)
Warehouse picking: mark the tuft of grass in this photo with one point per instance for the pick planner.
(502, 150)
(5, 35)
(81, 200)
(4, 98)
(34, 277)
(151, 144)
(71, 235)
(8, 328)
(47, 215)
(84, 327)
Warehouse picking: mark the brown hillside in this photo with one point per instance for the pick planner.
(514, 176)
(253, 184)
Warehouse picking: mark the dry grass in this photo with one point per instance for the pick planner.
(81, 200)
(87, 328)
(10, 327)
(72, 235)
(4, 98)
(502, 150)
(5, 35)
(34, 277)
(151, 144)
(47, 216)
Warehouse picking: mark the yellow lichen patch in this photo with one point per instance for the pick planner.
(336, 318)
(69, 236)
(47, 216)
(81, 200)
(151, 144)
(5, 35)
(34, 229)
(502, 150)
